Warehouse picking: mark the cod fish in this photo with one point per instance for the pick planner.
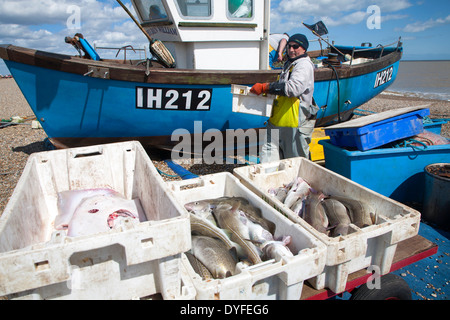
(251, 212)
(214, 255)
(276, 248)
(359, 212)
(299, 190)
(279, 193)
(314, 212)
(202, 209)
(205, 209)
(297, 207)
(199, 267)
(206, 228)
(337, 216)
(238, 225)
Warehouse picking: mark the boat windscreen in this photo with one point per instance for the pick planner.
(151, 10)
(194, 8)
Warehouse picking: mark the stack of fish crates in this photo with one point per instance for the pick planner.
(280, 278)
(374, 245)
(135, 260)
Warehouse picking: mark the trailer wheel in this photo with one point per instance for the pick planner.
(392, 287)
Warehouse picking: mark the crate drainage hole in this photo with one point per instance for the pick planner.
(42, 265)
(147, 242)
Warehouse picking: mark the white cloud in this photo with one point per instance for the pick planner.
(43, 24)
(31, 12)
(420, 26)
(353, 18)
(288, 14)
(26, 12)
(15, 31)
(390, 5)
(332, 7)
(317, 7)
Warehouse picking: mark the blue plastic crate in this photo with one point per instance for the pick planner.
(354, 134)
(397, 173)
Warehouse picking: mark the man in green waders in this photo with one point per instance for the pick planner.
(292, 122)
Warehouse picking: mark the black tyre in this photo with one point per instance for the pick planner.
(392, 287)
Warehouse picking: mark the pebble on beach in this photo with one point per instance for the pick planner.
(19, 141)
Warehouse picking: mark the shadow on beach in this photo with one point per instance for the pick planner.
(31, 148)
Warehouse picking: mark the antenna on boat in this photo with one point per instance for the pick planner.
(319, 29)
(157, 48)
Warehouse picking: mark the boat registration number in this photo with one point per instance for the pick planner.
(383, 77)
(173, 99)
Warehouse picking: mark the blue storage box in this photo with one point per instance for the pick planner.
(378, 129)
(397, 173)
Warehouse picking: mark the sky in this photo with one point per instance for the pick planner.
(424, 26)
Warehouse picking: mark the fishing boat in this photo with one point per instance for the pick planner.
(84, 99)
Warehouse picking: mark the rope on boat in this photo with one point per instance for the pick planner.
(338, 90)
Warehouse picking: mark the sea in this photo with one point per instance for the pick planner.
(423, 79)
(429, 79)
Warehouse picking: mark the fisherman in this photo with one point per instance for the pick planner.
(291, 124)
(277, 46)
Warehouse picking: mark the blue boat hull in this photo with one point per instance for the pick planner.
(75, 109)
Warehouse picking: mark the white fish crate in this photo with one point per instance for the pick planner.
(106, 281)
(282, 279)
(246, 102)
(132, 261)
(373, 245)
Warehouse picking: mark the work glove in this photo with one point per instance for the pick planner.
(260, 88)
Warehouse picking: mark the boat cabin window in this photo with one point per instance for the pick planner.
(240, 9)
(195, 8)
(151, 11)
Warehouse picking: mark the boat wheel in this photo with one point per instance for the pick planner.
(392, 287)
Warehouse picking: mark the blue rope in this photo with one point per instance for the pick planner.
(427, 120)
(167, 175)
(409, 143)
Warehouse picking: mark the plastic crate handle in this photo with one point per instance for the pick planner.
(87, 152)
(193, 183)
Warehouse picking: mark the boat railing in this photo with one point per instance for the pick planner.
(378, 47)
(125, 49)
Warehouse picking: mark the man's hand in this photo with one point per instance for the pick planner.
(260, 88)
